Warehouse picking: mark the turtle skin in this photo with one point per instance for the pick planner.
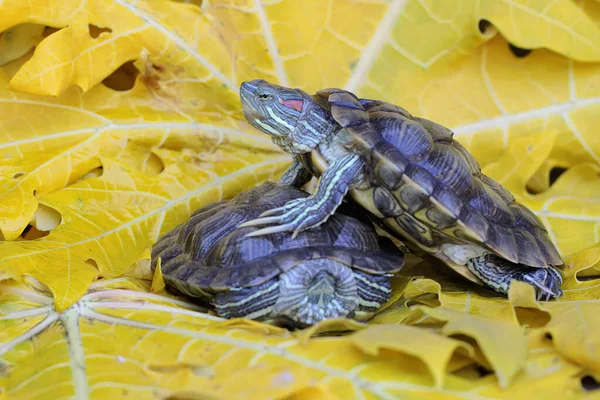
(409, 172)
(339, 269)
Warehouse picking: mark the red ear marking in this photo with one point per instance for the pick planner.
(295, 104)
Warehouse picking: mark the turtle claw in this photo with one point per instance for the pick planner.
(259, 221)
(296, 216)
(290, 206)
(272, 211)
(547, 281)
(270, 229)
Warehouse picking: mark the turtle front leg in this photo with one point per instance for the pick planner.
(296, 175)
(497, 273)
(309, 212)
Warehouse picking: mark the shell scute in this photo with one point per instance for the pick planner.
(422, 178)
(386, 203)
(524, 217)
(490, 204)
(527, 221)
(447, 166)
(449, 200)
(405, 135)
(438, 218)
(547, 248)
(477, 226)
(502, 238)
(388, 164)
(416, 229)
(202, 238)
(529, 250)
(373, 106)
(438, 132)
(498, 188)
(412, 197)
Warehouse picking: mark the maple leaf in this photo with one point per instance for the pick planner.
(123, 118)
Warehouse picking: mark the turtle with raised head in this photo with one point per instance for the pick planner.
(407, 171)
(340, 269)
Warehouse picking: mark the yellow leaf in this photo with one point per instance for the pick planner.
(574, 323)
(18, 40)
(143, 125)
(122, 342)
(158, 283)
(558, 25)
(585, 263)
(491, 322)
(434, 350)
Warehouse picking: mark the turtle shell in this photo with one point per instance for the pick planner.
(209, 253)
(428, 186)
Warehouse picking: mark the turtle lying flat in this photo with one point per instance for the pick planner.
(407, 171)
(340, 269)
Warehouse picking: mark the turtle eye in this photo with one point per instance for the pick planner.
(265, 96)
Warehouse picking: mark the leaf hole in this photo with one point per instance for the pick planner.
(123, 78)
(482, 371)
(587, 277)
(92, 173)
(548, 336)
(96, 31)
(470, 372)
(589, 383)
(554, 174)
(32, 233)
(93, 263)
(486, 29)
(532, 318)
(154, 165)
(49, 30)
(483, 26)
(518, 51)
(45, 218)
(18, 175)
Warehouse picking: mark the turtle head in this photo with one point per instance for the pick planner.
(295, 120)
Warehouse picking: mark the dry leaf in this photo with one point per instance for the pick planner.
(126, 118)
(127, 342)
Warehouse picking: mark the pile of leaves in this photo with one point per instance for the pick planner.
(119, 118)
